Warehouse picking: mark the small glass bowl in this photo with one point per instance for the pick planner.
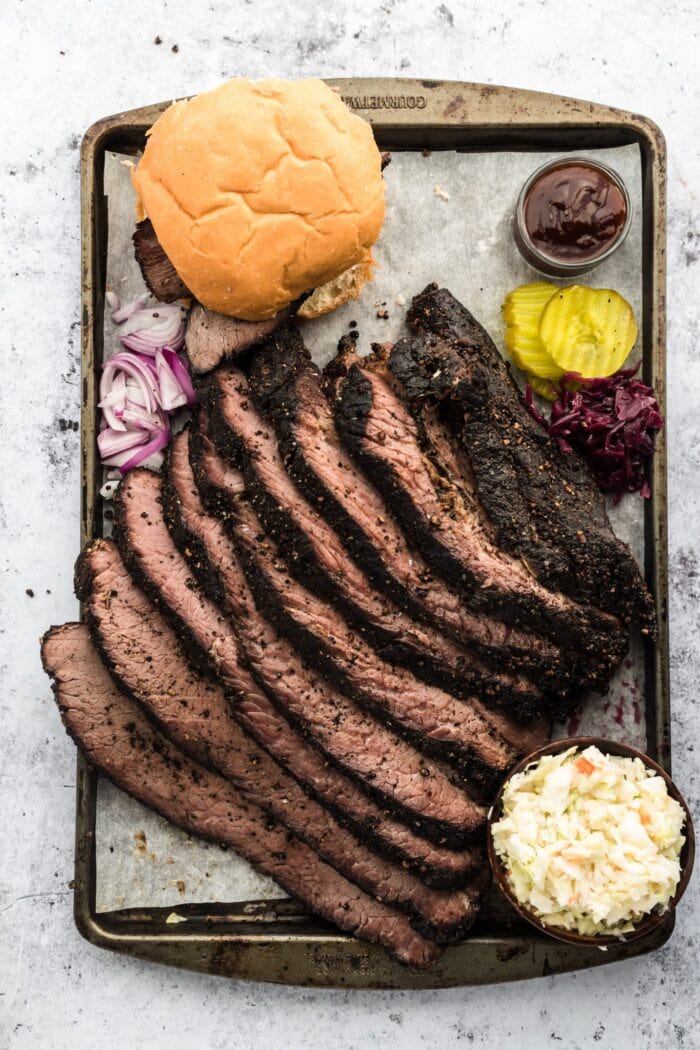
(649, 922)
(545, 264)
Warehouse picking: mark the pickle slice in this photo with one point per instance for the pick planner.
(522, 310)
(588, 330)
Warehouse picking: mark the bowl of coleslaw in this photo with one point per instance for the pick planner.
(591, 841)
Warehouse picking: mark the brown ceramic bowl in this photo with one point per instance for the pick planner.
(654, 919)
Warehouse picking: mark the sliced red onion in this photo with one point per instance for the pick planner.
(142, 384)
(159, 441)
(174, 381)
(123, 313)
(156, 326)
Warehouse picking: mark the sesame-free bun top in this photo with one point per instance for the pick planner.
(260, 191)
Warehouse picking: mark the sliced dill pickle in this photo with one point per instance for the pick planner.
(587, 330)
(522, 311)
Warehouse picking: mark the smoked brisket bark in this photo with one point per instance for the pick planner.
(479, 744)
(388, 768)
(287, 388)
(378, 428)
(146, 661)
(161, 277)
(118, 738)
(316, 554)
(316, 628)
(544, 505)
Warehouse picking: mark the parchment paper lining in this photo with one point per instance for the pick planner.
(448, 220)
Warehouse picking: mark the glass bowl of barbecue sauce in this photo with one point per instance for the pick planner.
(572, 214)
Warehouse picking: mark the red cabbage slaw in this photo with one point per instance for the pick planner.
(612, 422)
(141, 385)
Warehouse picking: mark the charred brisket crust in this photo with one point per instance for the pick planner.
(587, 634)
(607, 576)
(435, 830)
(303, 565)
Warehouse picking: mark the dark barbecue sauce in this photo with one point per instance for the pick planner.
(574, 212)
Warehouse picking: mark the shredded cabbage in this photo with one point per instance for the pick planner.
(590, 842)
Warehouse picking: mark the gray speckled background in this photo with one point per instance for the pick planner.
(64, 65)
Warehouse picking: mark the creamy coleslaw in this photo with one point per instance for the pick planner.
(590, 842)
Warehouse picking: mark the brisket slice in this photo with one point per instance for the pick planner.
(382, 435)
(388, 768)
(146, 661)
(316, 554)
(286, 386)
(211, 337)
(543, 504)
(461, 732)
(118, 738)
(158, 272)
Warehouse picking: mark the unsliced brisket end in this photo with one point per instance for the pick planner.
(315, 553)
(161, 277)
(211, 338)
(386, 766)
(146, 661)
(286, 386)
(379, 430)
(118, 738)
(543, 504)
(461, 732)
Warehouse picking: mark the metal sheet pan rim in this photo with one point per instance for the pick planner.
(404, 113)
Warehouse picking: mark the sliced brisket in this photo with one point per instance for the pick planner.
(286, 387)
(463, 733)
(316, 554)
(158, 272)
(387, 767)
(145, 659)
(118, 738)
(210, 337)
(544, 505)
(434, 721)
(382, 435)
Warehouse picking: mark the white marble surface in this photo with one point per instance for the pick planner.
(67, 63)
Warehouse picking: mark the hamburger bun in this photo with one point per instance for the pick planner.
(260, 191)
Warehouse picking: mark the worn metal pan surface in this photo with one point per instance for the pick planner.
(224, 938)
